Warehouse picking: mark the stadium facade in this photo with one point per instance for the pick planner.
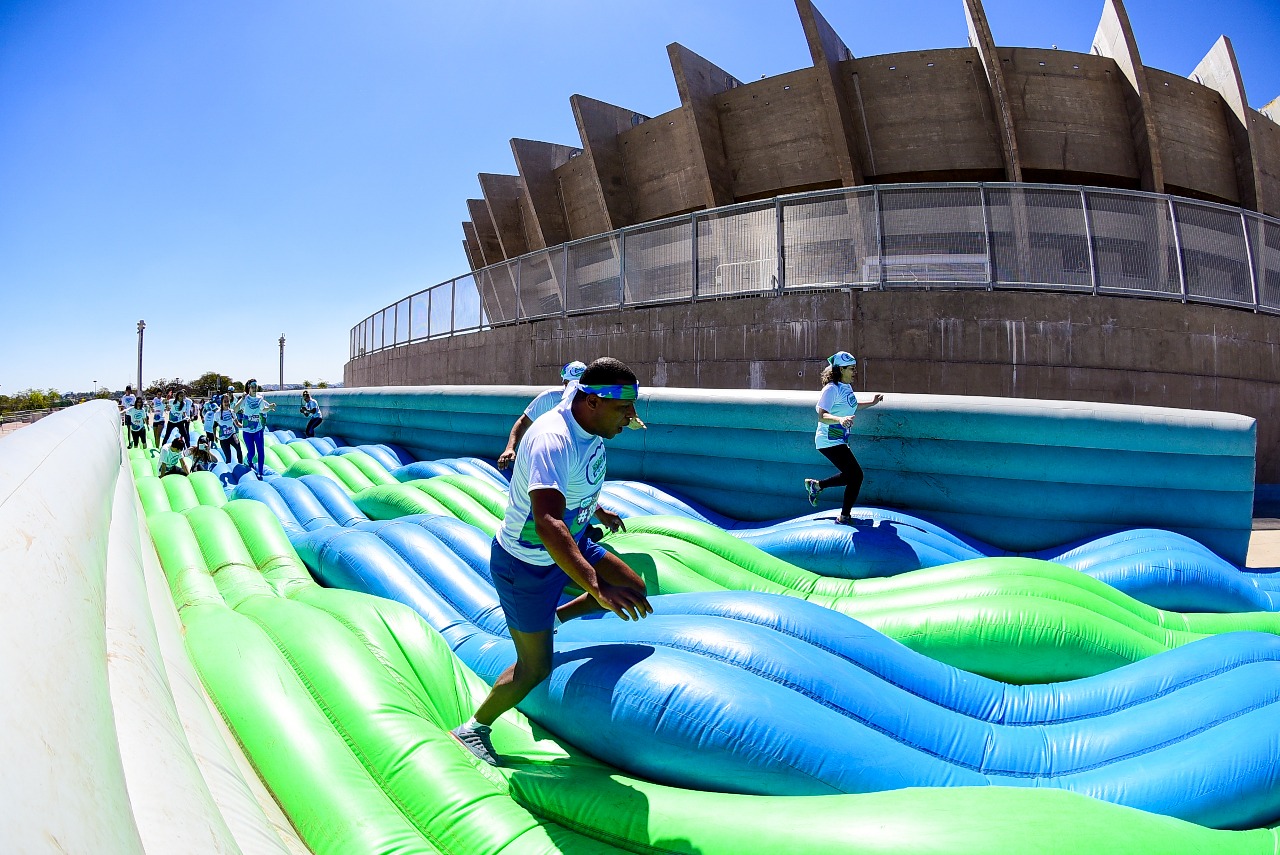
(985, 220)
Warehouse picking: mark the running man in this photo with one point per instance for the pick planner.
(544, 403)
(311, 409)
(543, 543)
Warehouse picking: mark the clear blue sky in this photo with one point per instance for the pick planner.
(236, 169)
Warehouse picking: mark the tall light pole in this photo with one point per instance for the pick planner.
(281, 387)
(142, 325)
(95, 388)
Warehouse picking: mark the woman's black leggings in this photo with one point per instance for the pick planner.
(228, 444)
(138, 437)
(312, 425)
(183, 428)
(850, 475)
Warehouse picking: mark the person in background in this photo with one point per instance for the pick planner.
(543, 544)
(175, 458)
(837, 406)
(157, 418)
(126, 403)
(544, 403)
(207, 414)
(311, 410)
(179, 417)
(136, 418)
(252, 409)
(226, 431)
(202, 457)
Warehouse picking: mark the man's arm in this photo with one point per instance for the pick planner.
(508, 455)
(624, 600)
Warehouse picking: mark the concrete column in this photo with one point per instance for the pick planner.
(498, 288)
(842, 117)
(599, 125)
(472, 253)
(981, 39)
(1115, 40)
(502, 194)
(1220, 72)
(699, 82)
(536, 162)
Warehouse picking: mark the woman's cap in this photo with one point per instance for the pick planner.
(251, 382)
(840, 359)
(572, 370)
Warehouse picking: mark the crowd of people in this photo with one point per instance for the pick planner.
(230, 422)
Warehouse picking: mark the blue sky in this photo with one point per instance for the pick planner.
(235, 170)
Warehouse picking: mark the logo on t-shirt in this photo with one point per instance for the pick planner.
(595, 466)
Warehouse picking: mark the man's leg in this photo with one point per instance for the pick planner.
(532, 666)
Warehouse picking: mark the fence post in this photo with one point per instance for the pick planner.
(986, 235)
(1088, 237)
(622, 269)
(781, 254)
(519, 304)
(1248, 254)
(1177, 246)
(880, 277)
(693, 246)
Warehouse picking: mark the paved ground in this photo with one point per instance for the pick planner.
(1264, 545)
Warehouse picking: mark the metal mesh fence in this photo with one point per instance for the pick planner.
(738, 251)
(953, 235)
(1215, 259)
(1134, 248)
(1267, 263)
(540, 284)
(933, 234)
(831, 241)
(1039, 238)
(594, 268)
(659, 262)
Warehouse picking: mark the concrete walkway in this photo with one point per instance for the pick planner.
(1264, 544)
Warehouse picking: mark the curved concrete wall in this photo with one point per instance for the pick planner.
(109, 742)
(980, 113)
(1019, 474)
(1002, 343)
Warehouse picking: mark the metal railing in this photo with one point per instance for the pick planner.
(942, 236)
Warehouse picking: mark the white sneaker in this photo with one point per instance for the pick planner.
(476, 740)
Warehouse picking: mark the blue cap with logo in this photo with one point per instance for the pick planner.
(840, 359)
(572, 370)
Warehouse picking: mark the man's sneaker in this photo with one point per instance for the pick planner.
(476, 740)
(812, 488)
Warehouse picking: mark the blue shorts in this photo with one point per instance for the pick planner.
(529, 593)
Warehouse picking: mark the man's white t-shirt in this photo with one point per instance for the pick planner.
(126, 401)
(312, 409)
(555, 454)
(543, 404)
(838, 399)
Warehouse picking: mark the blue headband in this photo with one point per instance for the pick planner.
(620, 392)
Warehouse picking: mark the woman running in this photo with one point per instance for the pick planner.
(136, 418)
(226, 430)
(837, 407)
(311, 410)
(252, 409)
(157, 418)
(179, 418)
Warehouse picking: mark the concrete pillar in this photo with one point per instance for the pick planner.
(498, 288)
(502, 194)
(1114, 39)
(842, 117)
(536, 162)
(1220, 72)
(699, 82)
(470, 245)
(599, 125)
(981, 39)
